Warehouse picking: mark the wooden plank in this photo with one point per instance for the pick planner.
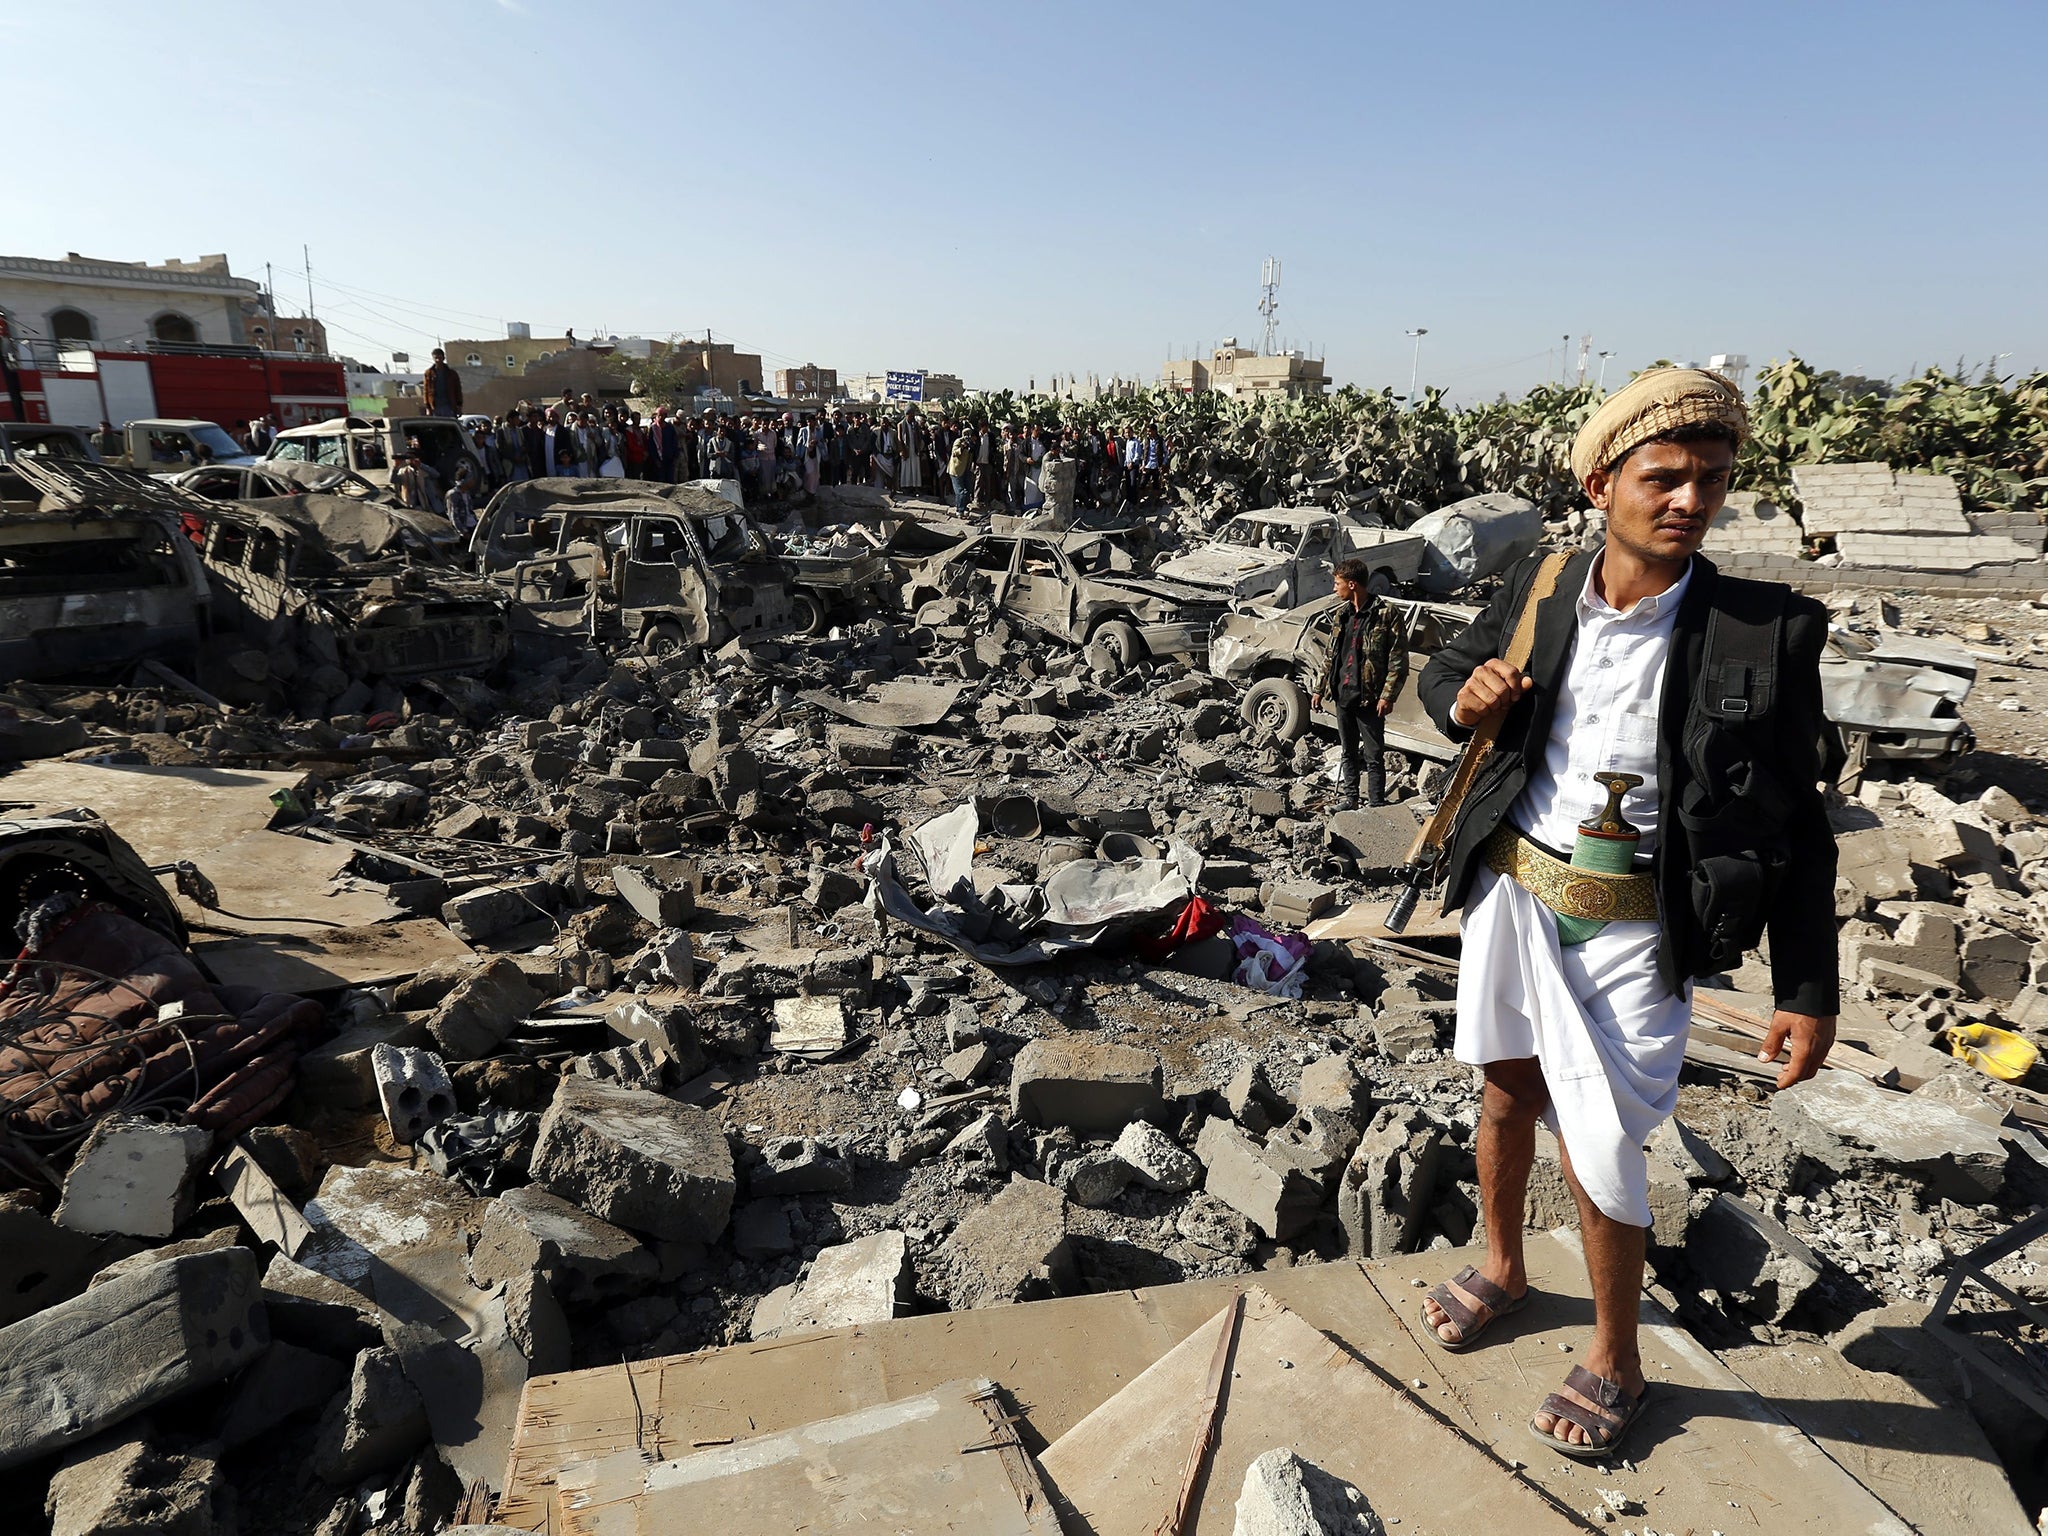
(1118, 1470)
(943, 1460)
(327, 958)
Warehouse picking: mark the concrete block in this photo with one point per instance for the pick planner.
(1404, 1033)
(385, 1225)
(859, 746)
(1877, 862)
(287, 1383)
(1333, 1083)
(1015, 1248)
(1317, 1140)
(1884, 975)
(1376, 838)
(1095, 1179)
(1204, 765)
(489, 910)
(374, 1426)
(1286, 1496)
(473, 1020)
(1691, 1153)
(663, 891)
(88, 1363)
(797, 1165)
(867, 1281)
(1251, 1100)
(1277, 1199)
(585, 1261)
(1852, 1126)
(1090, 1086)
(1155, 1160)
(42, 1263)
(1295, 903)
(413, 1087)
(969, 1064)
(636, 1159)
(133, 1177)
(129, 1487)
(1995, 964)
(1750, 1260)
(316, 1311)
(760, 1230)
(1390, 1182)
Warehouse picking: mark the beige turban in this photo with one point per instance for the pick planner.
(1659, 401)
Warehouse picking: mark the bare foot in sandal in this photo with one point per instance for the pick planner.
(1587, 1417)
(1461, 1308)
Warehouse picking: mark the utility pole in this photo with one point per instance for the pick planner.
(1564, 357)
(1602, 384)
(307, 254)
(270, 301)
(1269, 302)
(1584, 343)
(1415, 367)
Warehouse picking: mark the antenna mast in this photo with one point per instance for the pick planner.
(1269, 303)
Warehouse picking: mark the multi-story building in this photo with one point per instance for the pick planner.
(1234, 370)
(808, 385)
(123, 304)
(871, 387)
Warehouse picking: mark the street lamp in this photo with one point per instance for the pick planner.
(1602, 384)
(1415, 368)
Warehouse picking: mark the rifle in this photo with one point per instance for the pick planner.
(1427, 851)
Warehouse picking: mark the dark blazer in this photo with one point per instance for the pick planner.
(1801, 919)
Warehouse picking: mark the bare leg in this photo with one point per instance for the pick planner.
(1614, 1263)
(1509, 1107)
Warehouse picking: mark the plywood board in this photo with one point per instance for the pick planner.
(320, 959)
(1708, 1440)
(1368, 920)
(165, 814)
(1118, 1471)
(272, 882)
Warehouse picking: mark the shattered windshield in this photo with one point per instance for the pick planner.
(215, 441)
(1252, 533)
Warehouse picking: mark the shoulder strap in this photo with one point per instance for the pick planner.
(1738, 681)
(1523, 638)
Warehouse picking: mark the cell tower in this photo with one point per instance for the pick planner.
(1269, 303)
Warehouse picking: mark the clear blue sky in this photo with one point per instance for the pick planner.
(1017, 190)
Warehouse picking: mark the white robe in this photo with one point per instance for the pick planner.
(1608, 1035)
(1607, 1032)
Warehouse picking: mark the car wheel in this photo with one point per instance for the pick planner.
(807, 614)
(1381, 582)
(664, 637)
(1122, 639)
(1276, 705)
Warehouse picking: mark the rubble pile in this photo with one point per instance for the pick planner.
(787, 982)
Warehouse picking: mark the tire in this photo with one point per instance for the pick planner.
(1276, 704)
(807, 615)
(663, 637)
(1381, 582)
(1123, 639)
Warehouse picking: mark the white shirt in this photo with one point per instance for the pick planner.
(1606, 720)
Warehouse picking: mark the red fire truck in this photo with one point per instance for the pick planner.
(76, 384)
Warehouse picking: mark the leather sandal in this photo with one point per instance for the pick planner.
(1470, 1324)
(1606, 1427)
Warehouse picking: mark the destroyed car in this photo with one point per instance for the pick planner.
(255, 481)
(1897, 698)
(1278, 659)
(1076, 587)
(372, 449)
(663, 566)
(1284, 557)
(36, 440)
(96, 579)
(333, 576)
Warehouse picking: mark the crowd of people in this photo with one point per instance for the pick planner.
(779, 453)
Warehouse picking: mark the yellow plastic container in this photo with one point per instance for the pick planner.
(2003, 1054)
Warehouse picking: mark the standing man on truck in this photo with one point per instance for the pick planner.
(1368, 664)
(441, 388)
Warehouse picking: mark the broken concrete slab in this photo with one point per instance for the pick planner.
(663, 891)
(1274, 1197)
(88, 1363)
(848, 1284)
(127, 1486)
(1848, 1124)
(1155, 1160)
(798, 1165)
(1390, 1182)
(636, 1159)
(373, 1426)
(288, 1383)
(585, 1261)
(1089, 1086)
(1282, 1495)
(398, 1236)
(263, 1205)
(42, 1263)
(809, 1026)
(474, 1018)
(133, 1177)
(317, 1311)
(1012, 1249)
(1250, 1098)
(1751, 1261)
(1376, 838)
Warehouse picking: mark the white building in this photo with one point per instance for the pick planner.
(119, 305)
